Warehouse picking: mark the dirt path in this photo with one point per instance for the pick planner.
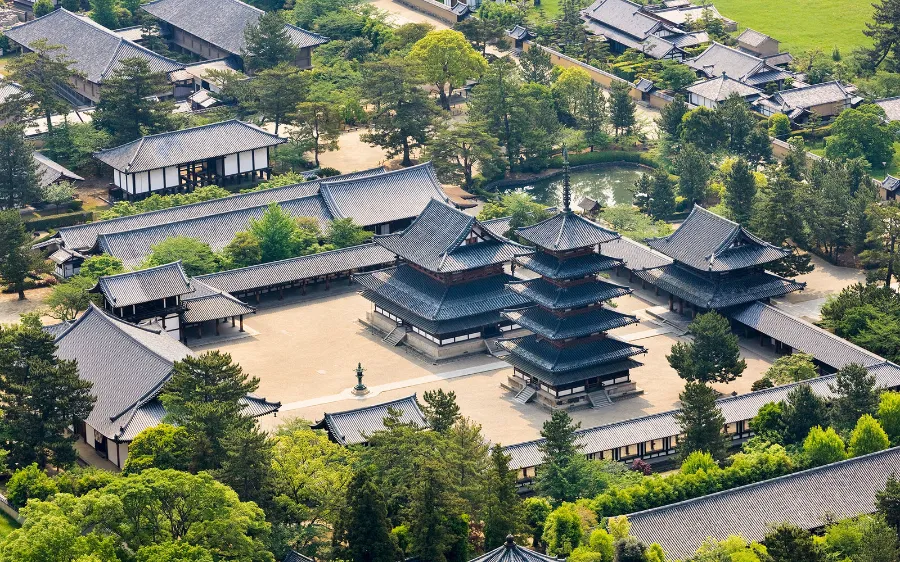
(11, 307)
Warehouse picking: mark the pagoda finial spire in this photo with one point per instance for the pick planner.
(567, 185)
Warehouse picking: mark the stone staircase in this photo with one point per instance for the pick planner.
(525, 395)
(494, 348)
(396, 336)
(599, 399)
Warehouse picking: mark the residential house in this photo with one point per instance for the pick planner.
(214, 29)
(710, 93)
(95, 52)
(827, 99)
(889, 188)
(757, 43)
(721, 59)
(450, 12)
(682, 14)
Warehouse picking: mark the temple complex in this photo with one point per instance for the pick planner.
(569, 359)
(445, 295)
(717, 264)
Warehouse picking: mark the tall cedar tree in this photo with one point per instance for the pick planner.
(431, 513)
(247, 462)
(41, 395)
(403, 113)
(701, 422)
(713, 356)
(888, 502)
(738, 123)
(883, 241)
(129, 109)
(803, 410)
(268, 44)
(40, 72)
(622, 109)
(670, 117)
(740, 191)
(593, 116)
(496, 101)
(884, 31)
(17, 259)
(447, 60)
(19, 184)
(363, 532)
(503, 507)
(855, 394)
(440, 409)
(204, 396)
(692, 166)
(661, 200)
(275, 92)
(561, 470)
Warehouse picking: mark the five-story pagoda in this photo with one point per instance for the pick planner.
(569, 360)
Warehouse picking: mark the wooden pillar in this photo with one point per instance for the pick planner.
(217, 326)
(232, 321)
(257, 297)
(164, 323)
(242, 322)
(657, 291)
(199, 330)
(303, 287)
(327, 283)
(680, 305)
(630, 276)
(280, 293)
(671, 303)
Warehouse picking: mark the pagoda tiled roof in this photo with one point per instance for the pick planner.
(540, 352)
(439, 240)
(594, 320)
(547, 265)
(566, 231)
(511, 552)
(571, 377)
(708, 242)
(427, 298)
(557, 297)
(718, 293)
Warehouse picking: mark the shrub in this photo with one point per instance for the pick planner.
(868, 437)
(642, 466)
(823, 446)
(59, 221)
(27, 483)
(697, 461)
(562, 531)
(889, 414)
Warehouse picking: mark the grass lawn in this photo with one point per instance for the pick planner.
(877, 172)
(802, 25)
(549, 8)
(7, 525)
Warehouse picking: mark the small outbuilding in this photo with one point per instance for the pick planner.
(354, 427)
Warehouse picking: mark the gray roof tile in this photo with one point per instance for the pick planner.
(752, 37)
(562, 359)
(587, 322)
(49, 171)
(221, 22)
(144, 285)
(720, 87)
(844, 489)
(95, 51)
(809, 96)
(558, 297)
(354, 427)
(566, 231)
(511, 552)
(891, 107)
(720, 59)
(623, 16)
(635, 255)
(207, 303)
(187, 145)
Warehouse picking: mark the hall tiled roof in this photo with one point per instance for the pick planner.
(841, 490)
(752, 37)
(208, 303)
(576, 377)
(742, 407)
(562, 359)
(557, 297)
(706, 293)
(354, 427)
(593, 320)
(802, 336)
(440, 240)
(708, 242)
(547, 265)
(222, 22)
(511, 552)
(432, 300)
(622, 16)
(84, 236)
(187, 145)
(144, 285)
(890, 183)
(635, 255)
(49, 171)
(401, 194)
(300, 268)
(566, 231)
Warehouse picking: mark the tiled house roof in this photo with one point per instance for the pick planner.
(353, 427)
(145, 285)
(49, 171)
(511, 552)
(813, 95)
(719, 88)
(720, 59)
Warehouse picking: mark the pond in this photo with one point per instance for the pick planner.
(609, 186)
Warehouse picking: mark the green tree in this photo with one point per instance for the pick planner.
(42, 8)
(676, 76)
(196, 256)
(104, 13)
(305, 12)
(868, 437)
(692, 166)
(704, 128)
(205, 396)
(888, 502)
(17, 259)
(701, 421)
(622, 109)
(277, 233)
(823, 446)
(40, 73)
(129, 108)
(855, 394)
(671, 116)
(661, 197)
(884, 31)
(268, 44)
(447, 60)
(568, 90)
(503, 507)
(521, 207)
(58, 193)
(457, 149)
(562, 473)
(19, 184)
(440, 409)
(779, 126)
(402, 118)
(162, 446)
(788, 543)
(889, 414)
(276, 92)
(740, 191)
(866, 538)
(536, 66)
(41, 395)
(535, 510)
(712, 356)
(317, 128)
(364, 532)
(243, 250)
(66, 300)
(795, 367)
(630, 549)
(247, 463)
(95, 267)
(562, 531)
(802, 410)
(483, 30)
(697, 461)
(769, 423)
(593, 116)
(433, 510)
(343, 233)
(862, 132)
(883, 240)
(30, 482)
(739, 124)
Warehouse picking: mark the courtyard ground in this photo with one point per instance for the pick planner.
(11, 308)
(399, 14)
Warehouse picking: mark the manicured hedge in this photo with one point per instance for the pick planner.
(605, 157)
(57, 221)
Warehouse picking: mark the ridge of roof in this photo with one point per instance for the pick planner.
(373, 406)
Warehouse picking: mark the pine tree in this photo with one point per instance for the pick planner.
(789, 543)
(432, 511)
(701, 422)
(802, 411)
(104, 13)
(888, 502)
(670, 117)
(19, 183)
(536, 66)
(622, 109)
(17, 259)
(268, 43)
(692, 166)
(129, 108)
(593, 116)
(503, 507)
(713, 355)
(40, 72)
(42, 8)
(363, 532)
(247, 462)
(855, 393)
(440, 409)
(661, 200)
(641, 191)
(562, 471)
(884, 31)
(740, 191)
